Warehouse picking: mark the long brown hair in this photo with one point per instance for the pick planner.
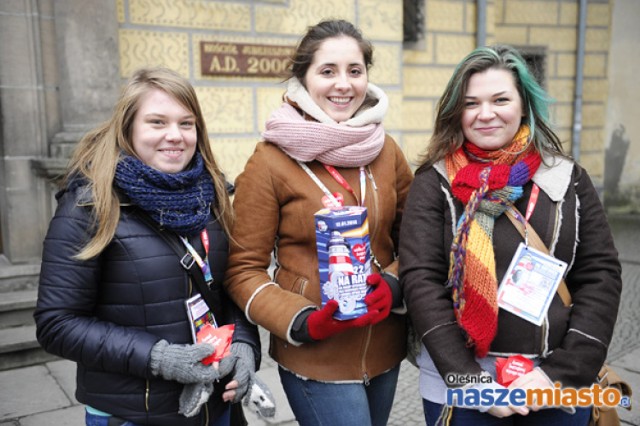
(98, 152)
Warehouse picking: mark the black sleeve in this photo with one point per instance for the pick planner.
(424, 265)
(595, 283)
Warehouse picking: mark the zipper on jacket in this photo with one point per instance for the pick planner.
(363, 364)
(372, 213)
(373, 181)
(365, 377)
(543, 328)
(554, 237)
(555, 234)
(556, 226)
(146, 396)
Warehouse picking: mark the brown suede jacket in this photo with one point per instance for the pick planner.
(274, 204)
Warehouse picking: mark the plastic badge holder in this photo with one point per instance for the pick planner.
(205, 329)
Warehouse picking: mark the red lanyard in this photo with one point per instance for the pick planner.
(343, 182)
(533, 199)
(531, 205)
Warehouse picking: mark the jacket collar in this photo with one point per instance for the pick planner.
(298, 95)
(84, 197)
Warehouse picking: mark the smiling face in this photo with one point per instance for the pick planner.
(164, 134)
(493, 109)
(337, 78)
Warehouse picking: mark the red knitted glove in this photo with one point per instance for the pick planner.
(321, 324)
(379, 301)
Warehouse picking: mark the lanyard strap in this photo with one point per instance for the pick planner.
(533, 199)
(524, 221)
(343, 182)
(203, 264)
(321, 185)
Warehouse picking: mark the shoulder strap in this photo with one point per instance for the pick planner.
(186, 260)
(536, 242)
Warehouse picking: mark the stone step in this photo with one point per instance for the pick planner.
(16, 308)
(19, 348)
(18, 277)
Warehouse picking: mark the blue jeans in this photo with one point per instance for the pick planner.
(469, 417)
(317, 403)
(97, 420)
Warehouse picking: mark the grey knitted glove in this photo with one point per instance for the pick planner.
(240, 360)
(227, 364)
(182, 363)
(193, 396)
(259, 398)
(245, 366)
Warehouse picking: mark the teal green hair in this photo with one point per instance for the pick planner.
(448, 136)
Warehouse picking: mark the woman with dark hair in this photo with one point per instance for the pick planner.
(493, 158)
(113, 285)
(326, 142)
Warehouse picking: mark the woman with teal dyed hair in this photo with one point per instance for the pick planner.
(482, 300)
(448, 135)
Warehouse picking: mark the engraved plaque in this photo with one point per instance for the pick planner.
(247, 60)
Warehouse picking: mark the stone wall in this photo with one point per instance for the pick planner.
(547, 25)
(169, 33)
(62, 63)
(622, 159)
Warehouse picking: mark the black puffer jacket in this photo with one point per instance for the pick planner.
(108, 312)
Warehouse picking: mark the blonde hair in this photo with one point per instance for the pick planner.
(98, 152)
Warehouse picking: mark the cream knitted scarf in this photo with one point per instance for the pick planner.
(353, 143)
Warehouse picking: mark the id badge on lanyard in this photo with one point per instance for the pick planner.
(532, 279)
(530, 283)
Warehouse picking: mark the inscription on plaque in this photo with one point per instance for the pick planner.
(240, 59)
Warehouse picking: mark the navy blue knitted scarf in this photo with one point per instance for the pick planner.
(180, 202)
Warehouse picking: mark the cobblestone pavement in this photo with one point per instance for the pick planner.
(407, 406)
(626, 335)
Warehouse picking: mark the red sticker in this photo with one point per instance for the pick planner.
(509, 369)
(329, 204)
(360, 252)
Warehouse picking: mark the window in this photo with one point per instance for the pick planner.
(413, 20)
(536, 59)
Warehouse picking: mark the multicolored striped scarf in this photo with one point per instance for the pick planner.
(486, 182)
